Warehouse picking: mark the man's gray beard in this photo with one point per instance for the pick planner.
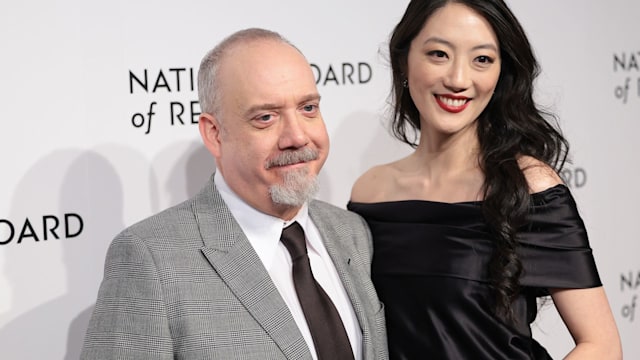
(298, 188)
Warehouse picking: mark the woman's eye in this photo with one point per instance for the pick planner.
(485, 59)
(437, 54)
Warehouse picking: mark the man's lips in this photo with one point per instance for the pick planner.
(293, 164)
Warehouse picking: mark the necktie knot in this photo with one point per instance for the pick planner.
(294, 240)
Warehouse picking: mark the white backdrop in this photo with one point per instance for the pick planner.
(82, 158)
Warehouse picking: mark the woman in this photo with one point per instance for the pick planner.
(475, 225)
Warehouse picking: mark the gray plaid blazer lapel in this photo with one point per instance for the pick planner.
(238, 265)
(340, 247)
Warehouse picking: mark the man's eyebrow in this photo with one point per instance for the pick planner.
(310, 97)
(261, 107)
(274, 106)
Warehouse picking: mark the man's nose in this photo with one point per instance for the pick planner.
(293, 134)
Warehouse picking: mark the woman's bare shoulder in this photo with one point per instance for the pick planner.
(540, 176)
(373, 184)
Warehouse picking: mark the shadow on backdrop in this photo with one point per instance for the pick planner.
(186, 167)
(92, 191)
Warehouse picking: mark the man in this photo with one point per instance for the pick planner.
(210, 278)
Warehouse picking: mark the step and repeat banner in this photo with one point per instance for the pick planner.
(98, 130)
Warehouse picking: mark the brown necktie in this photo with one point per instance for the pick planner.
(327, 330)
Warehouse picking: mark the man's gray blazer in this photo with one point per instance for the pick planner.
(187, 284)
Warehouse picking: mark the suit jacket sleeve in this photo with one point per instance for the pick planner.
(130, 319)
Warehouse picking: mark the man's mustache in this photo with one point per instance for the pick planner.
(290, 157)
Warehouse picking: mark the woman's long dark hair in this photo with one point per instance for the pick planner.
(511, 125)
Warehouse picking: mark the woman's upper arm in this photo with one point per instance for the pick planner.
(588, 317)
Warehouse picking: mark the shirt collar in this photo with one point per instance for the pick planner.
(262, 230)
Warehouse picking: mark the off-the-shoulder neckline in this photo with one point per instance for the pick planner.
(542, 193)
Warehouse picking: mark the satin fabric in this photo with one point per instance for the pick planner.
(430, 270)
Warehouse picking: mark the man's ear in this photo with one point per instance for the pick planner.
(210, 133)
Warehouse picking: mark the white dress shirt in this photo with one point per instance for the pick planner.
(263, 232)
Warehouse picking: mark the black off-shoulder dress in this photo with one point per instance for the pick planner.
(430, 271)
